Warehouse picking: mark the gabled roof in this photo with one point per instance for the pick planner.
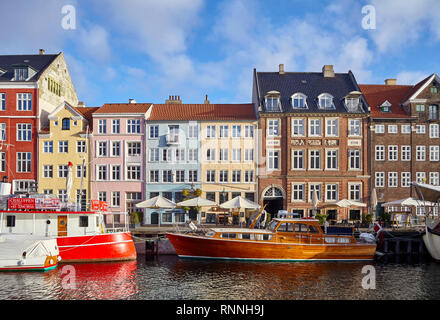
(120, 108)
(206, 112)
(414, 90)
(38, 62)
(377, 94)
(311, 84)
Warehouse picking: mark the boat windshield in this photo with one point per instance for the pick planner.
(272, 225)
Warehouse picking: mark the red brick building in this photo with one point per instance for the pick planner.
(313, 136)
(31, 86)
(404, 136)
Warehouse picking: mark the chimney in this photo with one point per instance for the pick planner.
(131, 101)
(81, 104)
(42, 51)
(390, 82)
(281, 69)
(173, 100)
(206, 100)
(328, 71)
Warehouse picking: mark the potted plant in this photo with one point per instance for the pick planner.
(322, 218)
(136, 219)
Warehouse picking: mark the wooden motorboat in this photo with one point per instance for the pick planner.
(284, 239)
(28, 253)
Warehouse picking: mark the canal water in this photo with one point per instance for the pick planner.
(171, 278)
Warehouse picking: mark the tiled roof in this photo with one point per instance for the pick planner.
(376, 95)
(38, 62)
(311, 84)
(188, 112)
(87, 113)
(416, 87)
(123, 108)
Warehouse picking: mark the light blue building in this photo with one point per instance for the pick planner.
(172, 159)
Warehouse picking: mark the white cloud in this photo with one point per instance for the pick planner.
(411, 77)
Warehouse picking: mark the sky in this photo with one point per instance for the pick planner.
(148, 50)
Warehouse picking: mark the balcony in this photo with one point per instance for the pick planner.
(172, 139)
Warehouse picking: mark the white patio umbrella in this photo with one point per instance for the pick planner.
(197, 202)
(239, 203)
(373, 200)
(345, 203)
(407, 202)
(315, 201)
(157, 202)
(69, 180)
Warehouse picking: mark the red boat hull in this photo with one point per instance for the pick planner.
(94, 248)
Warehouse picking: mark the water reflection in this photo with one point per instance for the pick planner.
(168, 277)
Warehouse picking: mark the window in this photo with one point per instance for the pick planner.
(224, 132)
(166, 155)
(273, 127)
(116, 199)
(223, 154)
(24, 132)
(236, 155)
(154, 175)
(272, 103)
(249, 176)
(273, 159)
(21, 74)
(115, 172)
(298, 192)
(249, 131)
(24, 101)
(332, 159)
(48, 171)
(180, 175)
(326, 101)
(354, 191)
(81, 172)
(81, 146)
(421, 177)
(236, 175)
(63, 171)
(354, 159)
(180, 155)
(331, 191)
(392, 180)
(434, 90)
(24, 161)
(392, 128)
(134, 126)
(434, 153)
(354, 127)
(236, 131)
(133, 172)
(193, 154)
(102, 126)
(312, 188)
(193, 131)
(210, 131)
(2, 161)
(380, 179)
(154, 155)
(406, 153)
(298, 160)
(62, 195)
(379, 128)
(102, 172)
(10, 221)
(433, 112)
(314, 159)
(223, 176)
(298, 127)
(167, 176)
(434, 178)
(352, 104)
(116, 126)
(420, 107)
(420, 129)
(2, 101)
(154, 132)
(48, 146)
(420, 153)
(380, 153)
(314, 127)
(332, 127)
(210, 196)
(210, 176)
(65, 124)
(405, 128)
(299, 101)
(133, 149)
(393, 153)
(405, 179)
(433, 130)
(102, 148)
(83, 221)
(192, 176)
(210, 154)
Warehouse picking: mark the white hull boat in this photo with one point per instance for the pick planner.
(28, 253)
(432, 241)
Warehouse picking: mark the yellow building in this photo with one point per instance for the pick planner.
(66, 140)
(228, 159)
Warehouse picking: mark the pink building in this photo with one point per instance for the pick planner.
(118, 145)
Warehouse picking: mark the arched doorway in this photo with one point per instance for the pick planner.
(273, 197)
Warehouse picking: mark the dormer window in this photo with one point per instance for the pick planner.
(273, 101)
(299, 101)
(353, 101)
(326, 101)
(21, 74)
(65, 124)
(385, 107)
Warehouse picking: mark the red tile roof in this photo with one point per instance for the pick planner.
(124, 108)
(203, 112)
(377, 94)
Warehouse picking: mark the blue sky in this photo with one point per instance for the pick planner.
(150, 49)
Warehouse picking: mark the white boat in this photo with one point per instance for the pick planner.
(431, 236)
(28, 253)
